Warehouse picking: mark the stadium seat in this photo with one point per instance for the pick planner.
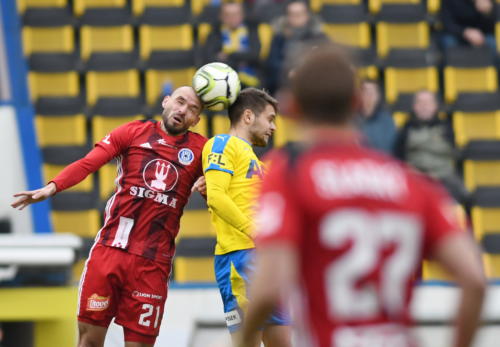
(265, 32)
(194, 260)
(204, 30)
(401, 27)
(200, 128)
(481, 161)
(56, 158)
(138, 6)
(166, 71)
(317, 5)
(198, 6)
(408, 71)
(165, 30)
(110, 113)
(53, 75)
(401, 110)
(105, 31)
(468, 70)
(75, 213)
(23, 5)
(286, 130)
(485, 211)
(112, 75)
(347, 25)
(220, 124)
(375, 5)
(196, 220)
(107, 175)
(497, 32)
(432, 271)
(367, 67)
(60, 122)
(476, 117)
(491, 255)
(80, 6)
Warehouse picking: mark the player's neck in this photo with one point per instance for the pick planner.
(312, 133)
(162, 125)
(241, 133)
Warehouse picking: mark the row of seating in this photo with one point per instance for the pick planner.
(198, 6)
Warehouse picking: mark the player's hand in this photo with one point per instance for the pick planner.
(31, 196)
(474, 36)
(200, 186)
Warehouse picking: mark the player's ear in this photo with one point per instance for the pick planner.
(165, 100)
(196, 121)
(248, 116)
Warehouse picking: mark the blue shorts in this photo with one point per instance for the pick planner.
(232, 271)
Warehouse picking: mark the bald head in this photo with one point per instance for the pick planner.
(181, 110)
(189, 92)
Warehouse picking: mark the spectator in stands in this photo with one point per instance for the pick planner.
(427, 143)
(376, 122)
(235, 43)
(468, 22)
(291, 31)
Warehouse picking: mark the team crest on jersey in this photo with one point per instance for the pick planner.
(186, 156)
(160, 175)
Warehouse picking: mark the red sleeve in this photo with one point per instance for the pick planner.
(109, 147)
(441, 217)
(279, 217)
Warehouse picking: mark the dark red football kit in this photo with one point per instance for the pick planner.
(127, 271)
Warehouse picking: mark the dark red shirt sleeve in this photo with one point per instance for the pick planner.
(279, 218)
(440, 215)
(109, 147)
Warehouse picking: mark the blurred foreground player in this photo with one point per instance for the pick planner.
(233, 174)
(126, 274)
(349, 226)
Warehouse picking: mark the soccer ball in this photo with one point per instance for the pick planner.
(217, 84)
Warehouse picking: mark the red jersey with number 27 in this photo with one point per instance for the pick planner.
(155, 174)
(360, 223)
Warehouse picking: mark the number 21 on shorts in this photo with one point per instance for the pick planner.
(145, 317)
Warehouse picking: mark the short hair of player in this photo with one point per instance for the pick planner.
(252, 99)
(324, 84)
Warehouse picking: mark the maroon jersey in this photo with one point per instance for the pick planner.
(360, 223)
(155, 175)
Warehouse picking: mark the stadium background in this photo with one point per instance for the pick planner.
(71, 70)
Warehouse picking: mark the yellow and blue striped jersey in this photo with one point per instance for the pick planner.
(232, 205)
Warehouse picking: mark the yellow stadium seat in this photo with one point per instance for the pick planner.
(107, 175)
(497, 35)
(194, 259)
(61, 130)
(85, 223)
(191, 269)
(317, 5)
(486, 212)
(220, 124)
(492, 265)
(482, 161)
(407, 72)
(200, 128)
(80, 6)
(53, 84)
(401, 27)
(286, 130)
(165, 38)
(432, 271)
(50, 171)
(375, 5)
(138, 6)
(468, 70)
(112, 84)
(265, 32)
(196, 223)
(400, 118)
(156, 78)
(105, 39)
(347, 25)
(433, 6)
(102, 125)
(23, 5)
(204, 30)
(469, 126)
(197, 6)
(59, 39)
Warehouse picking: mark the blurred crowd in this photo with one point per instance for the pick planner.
(425, 141)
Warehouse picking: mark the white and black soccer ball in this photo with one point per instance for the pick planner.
(217, 84)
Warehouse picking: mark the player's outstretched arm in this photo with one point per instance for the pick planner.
(29, 197)
(460, 255)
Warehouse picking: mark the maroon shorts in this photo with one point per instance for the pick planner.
(128, 287)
